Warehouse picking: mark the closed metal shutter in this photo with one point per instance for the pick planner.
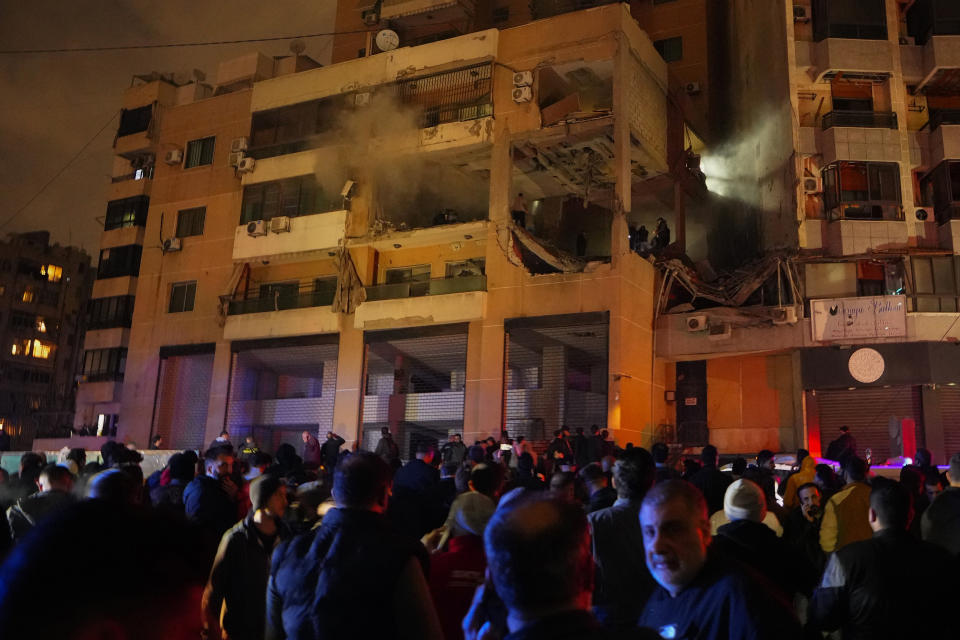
(950, 414)
(556, 373)
(867, 412)
(414, 385)
(183, 395)
(279, 389)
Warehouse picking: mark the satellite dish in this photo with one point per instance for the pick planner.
(387, 40)
(297, 47)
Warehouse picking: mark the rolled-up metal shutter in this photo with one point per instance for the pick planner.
(183, 396)
(867, 413)
(950, 414)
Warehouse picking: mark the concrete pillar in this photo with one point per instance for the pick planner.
(350, 364)
(483, 402)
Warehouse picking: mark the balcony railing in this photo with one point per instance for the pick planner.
(857, 19)
(139, 174)
(943, 116)
(866, 210)
(279, 300)
(868, 119)
(434, 287)
(549, 8)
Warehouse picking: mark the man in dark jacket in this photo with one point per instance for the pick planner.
(415, 507)
(311, 451)
(211, 499)
(559, 451)
(323, 582)
(55, 483)
(453, 451)
(661, 454)
(601, 495)
(710, 480)
(941, 520)
(330, 451)
(238, 580)
(595, 445)
(845, 445)
(700, 596)
(581, 452)
(623, 582)
(870, 588)
(387, 448)
(801, 532)
(169, 496)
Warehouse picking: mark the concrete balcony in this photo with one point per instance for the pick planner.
(122, 237)
(941, 57)
(944, 143)
(464, 232)
(110, 287)
(855, 237)
(427, 302)
(132, 184)
(417, 407)
(281, 324)
(106, 338)
(835, 55)
(99, 392)
(309, 237)
(409, 14)
(133, 144)
(859, 144)
(949, 233)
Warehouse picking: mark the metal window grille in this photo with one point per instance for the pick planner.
(449, 96)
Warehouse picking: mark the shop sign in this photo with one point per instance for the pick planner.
(855, 318)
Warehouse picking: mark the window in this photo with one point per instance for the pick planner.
(108, 313)
(418, 278)
(35, 348)
(292, 197)
(42, 350)
(670, 49)
(119, 261)
(51, 272)
(199, 152)
(28, 295)
(941, 190)
(104, 364)
(862, 191)
(190, 222)
(465, 268)
(127, 212)
(134, 120)
(935, 284)
(861, 19)
(182, 295)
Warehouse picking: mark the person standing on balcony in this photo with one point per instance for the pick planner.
(518, 211)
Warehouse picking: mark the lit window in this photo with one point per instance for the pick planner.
(28, 295)
(41, 325)
(52, 272)
(41, 350)
(21, 347)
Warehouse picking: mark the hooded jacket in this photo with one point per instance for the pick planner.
(808, 469)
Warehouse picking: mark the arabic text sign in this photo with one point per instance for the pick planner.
(866, 317)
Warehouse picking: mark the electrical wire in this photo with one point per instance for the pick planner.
(173, 45)
(60, 172)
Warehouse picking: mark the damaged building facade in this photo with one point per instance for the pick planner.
(845, 138)
(332, 247)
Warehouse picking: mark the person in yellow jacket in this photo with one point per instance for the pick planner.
(845, 516)
(808, 469)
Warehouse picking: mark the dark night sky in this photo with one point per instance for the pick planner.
(51, 104)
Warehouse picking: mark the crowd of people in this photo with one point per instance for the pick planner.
(502, 539)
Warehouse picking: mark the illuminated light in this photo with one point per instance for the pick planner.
(13, 349)
(41, 325)
(951, 384)
(100, 419)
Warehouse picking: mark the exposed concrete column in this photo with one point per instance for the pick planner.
(219, 390)
(621, 143)
(350, 364)
(483, 401)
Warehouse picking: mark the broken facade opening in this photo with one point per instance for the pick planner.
(556, 373)
(414, 385)
(280, 388)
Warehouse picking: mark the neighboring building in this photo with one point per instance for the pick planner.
(845, 135)
(333, 248)
(44, 290)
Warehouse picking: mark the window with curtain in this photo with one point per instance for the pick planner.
(200, 152)
(190, 222)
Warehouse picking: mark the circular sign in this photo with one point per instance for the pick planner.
(866, 365)
(387, 40)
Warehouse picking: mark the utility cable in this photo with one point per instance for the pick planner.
(59, 173)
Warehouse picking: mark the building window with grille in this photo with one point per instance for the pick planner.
(292, 197)
(109, 313)
(670, 49)
(935, 284)
(104, 364)
(199, 152)
(126, 212)
(182, 295)
(862, 191)
(190, 222)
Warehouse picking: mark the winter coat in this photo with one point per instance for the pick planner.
(845, 517)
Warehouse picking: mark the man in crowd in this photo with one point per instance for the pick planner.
(941, 520)
(211, 499)
(806, 474)
(601, 495)
(844, 446)
(414, 506)
(661, 453)
(699, 596)
(453, 451)
(221, 441)
(623, 582)
(311, 451)
(559, 452)
(581, 453)
(156, 442)
(54, 484)
(387, 448)
(872, 588)
(540, 569)
(845, 516)
(238, 580)
(710, 480)
(802, 532)
(323, 583)
(330, 451)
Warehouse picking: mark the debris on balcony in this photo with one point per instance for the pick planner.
(539, 257)
(350, 292)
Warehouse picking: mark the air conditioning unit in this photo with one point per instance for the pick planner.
(522, 94)
(256, 228)
(370, 18)
(235, 158)
(280, 224)
(720, 331)
(785, 315)
(523, 79)
(238, 144)
(811, 185)
(171, 244)
(693, 88)
(174, 156)
(361, 99)
(697, 323)
(246, 165)
(800, 14)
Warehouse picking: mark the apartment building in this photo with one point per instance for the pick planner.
(846, 140)
(333, 247)
(44, 290)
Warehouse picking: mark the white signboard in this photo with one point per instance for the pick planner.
(854, 318)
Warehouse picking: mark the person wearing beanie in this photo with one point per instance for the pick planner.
(242, 566)
(748, 540)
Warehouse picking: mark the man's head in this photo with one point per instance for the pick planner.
(305, 436)
(933, 485)
(855, 469)
(676, 533)
(563, 485)
(457, 437)
(765, 459)
(218, 464)
(594, 429)
(744, 500)
(844, 429)
(385, 432)
(953, 473)
(486, 479)
(31, 463)
(249, 440)
(709, 456)
(425, 452)
(55, 478)
(801, 455)
(739, 467)
(809, 495)
(538, 552)
(362, 481)
(890, 506)
(660, 452)
(593, 476)
(268, 494)
(824, 476)
(157, 441)
(633, 474)
(224, 435)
